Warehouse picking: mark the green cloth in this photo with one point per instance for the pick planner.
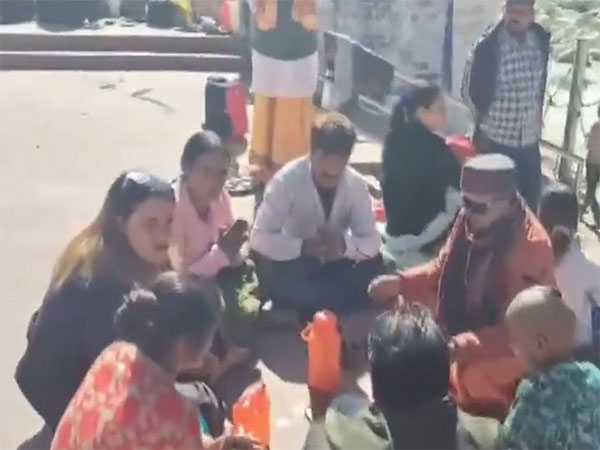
(557, 409)
(352, 423)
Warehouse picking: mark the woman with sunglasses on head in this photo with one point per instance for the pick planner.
(125, 246)
(496, 249)
(128, 398)
(420, 178)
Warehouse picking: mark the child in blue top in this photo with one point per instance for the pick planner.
(558, 406)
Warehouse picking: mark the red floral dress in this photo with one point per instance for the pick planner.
(126, 401)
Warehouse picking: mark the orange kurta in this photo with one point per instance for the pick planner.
(485, 372)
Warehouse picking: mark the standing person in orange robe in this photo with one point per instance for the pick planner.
(284, 80)
(496, 249)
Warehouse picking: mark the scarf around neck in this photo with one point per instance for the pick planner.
(303, 11)
(471, 286)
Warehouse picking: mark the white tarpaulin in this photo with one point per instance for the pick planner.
(409, 33)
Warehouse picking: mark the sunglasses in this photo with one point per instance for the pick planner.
(478, 208)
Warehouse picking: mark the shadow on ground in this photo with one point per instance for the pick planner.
(285, 354)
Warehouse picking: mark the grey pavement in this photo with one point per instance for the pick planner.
(63, 138)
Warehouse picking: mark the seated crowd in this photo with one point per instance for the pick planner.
(135, 304)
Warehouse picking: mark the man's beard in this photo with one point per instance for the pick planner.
(515, 30)
(478, 232)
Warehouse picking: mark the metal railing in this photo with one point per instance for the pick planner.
(559, 155)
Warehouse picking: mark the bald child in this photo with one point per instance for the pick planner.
(558, 406)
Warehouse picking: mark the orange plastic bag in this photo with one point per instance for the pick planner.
(324, 352)
(461, 146)
(251, 414)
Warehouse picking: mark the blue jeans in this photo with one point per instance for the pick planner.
(528, 162)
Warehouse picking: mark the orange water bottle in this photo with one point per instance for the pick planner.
(251, 414)
(324, 352)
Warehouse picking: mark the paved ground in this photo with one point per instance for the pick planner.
(63, 138)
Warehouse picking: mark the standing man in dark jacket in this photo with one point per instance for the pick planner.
(504, 83)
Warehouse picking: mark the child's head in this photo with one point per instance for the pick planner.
(425, 104)
(559, 214)
(541, 327)
(173, 322)
(410, 362)
(205, 165)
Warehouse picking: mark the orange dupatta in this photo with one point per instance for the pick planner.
(126, 401)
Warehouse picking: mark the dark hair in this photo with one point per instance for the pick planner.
(410, 362)
(132, 188)
(559, 214)
(520, 2)
(221, 125)
(86, 251)
(406, 108)
(170, 310)
(333, 133)
(197, 145)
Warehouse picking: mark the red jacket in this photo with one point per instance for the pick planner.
(485, 373)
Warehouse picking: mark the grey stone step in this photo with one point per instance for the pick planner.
(152, 41)
(48, 60)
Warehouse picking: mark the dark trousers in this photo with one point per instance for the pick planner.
(230, 282)
(528, 162)
(592, 177)
(305, 285)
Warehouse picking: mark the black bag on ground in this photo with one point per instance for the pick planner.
(215, 105)
(16, 11)
(70, 13)
(162, 14)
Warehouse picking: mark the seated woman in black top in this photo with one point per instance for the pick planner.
(420, 178)
(125, 246)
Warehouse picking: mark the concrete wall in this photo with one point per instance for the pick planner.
(427, 39)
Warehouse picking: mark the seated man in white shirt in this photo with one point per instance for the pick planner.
(314, 238)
